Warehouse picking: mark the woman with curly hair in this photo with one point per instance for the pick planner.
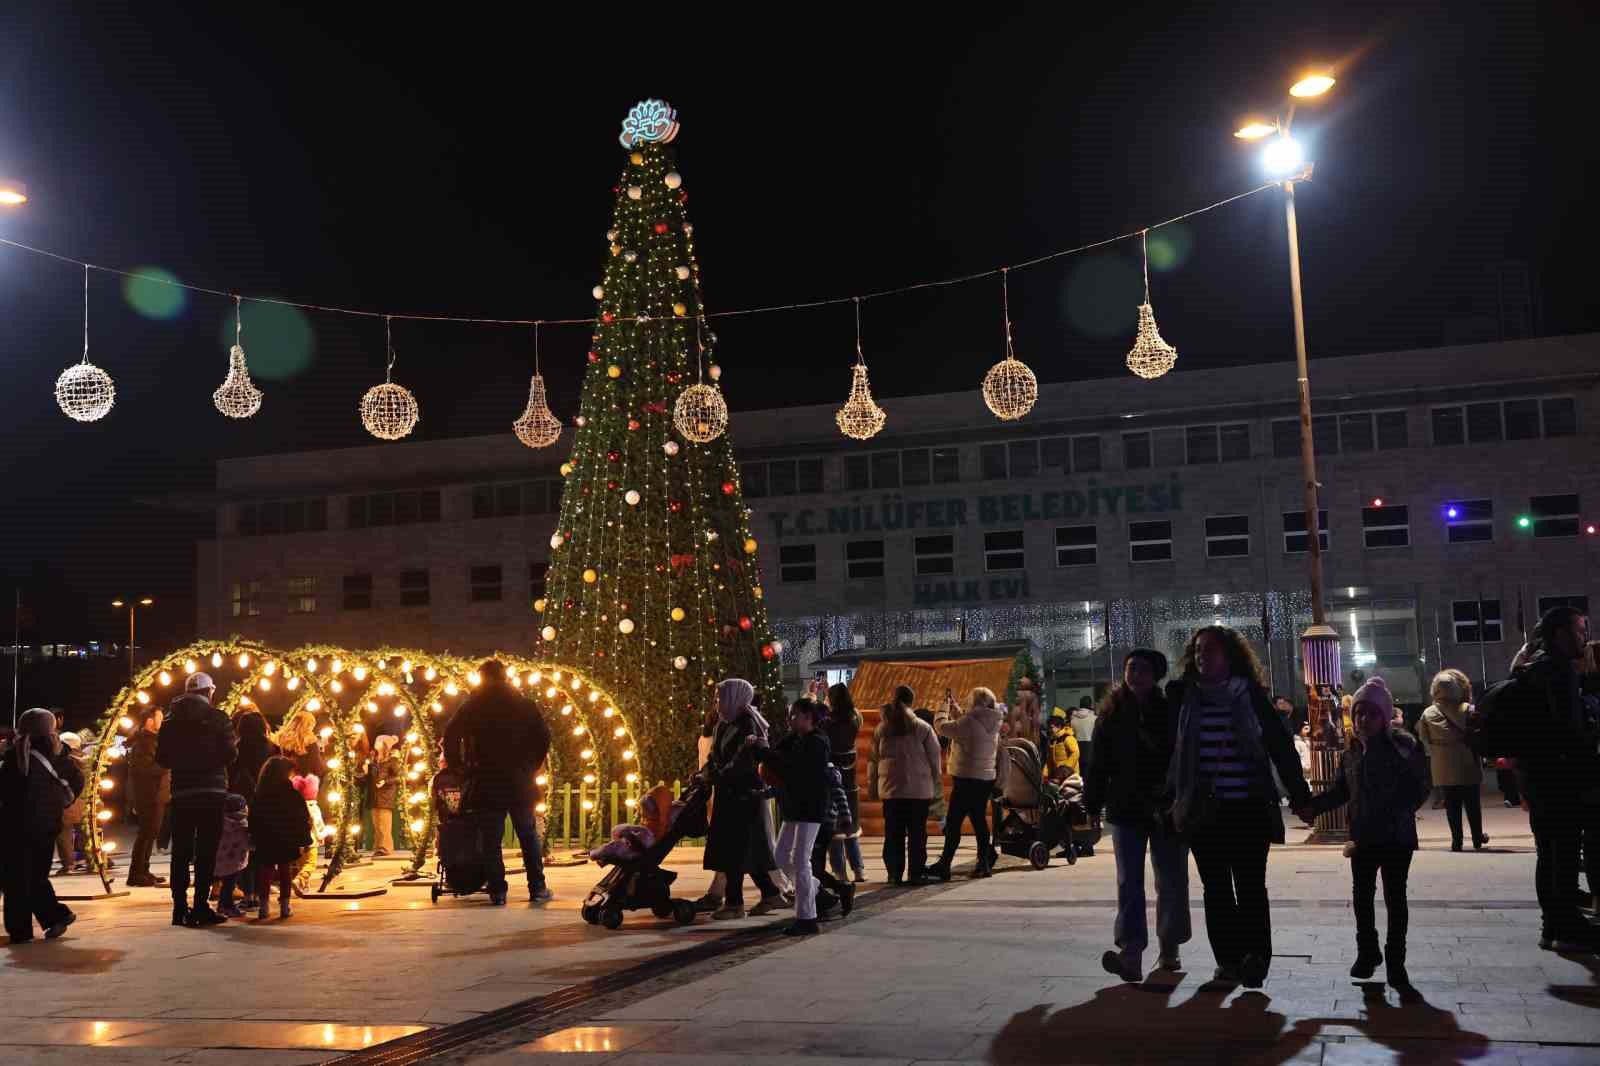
(1224, 798)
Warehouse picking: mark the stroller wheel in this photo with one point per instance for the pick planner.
(683, 911)
(611, 918)
(1039, 855)
(662, 908)
(591, 914)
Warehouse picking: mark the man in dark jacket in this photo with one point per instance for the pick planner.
(197, 744)
(1558, 765)
(499, 739)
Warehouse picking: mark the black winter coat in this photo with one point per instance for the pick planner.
(1559, 760)
(499, 739)
(246, 768)
(737, 838)
(802, 764)
(197, 744)
(280, 824)
(14, 793)
(1132, 750)
(1384, 783)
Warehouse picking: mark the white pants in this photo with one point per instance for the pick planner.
(795, 840)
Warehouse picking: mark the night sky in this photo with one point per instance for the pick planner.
(464, 166)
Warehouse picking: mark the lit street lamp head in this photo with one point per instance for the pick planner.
(1283, 158)
(12, 193)
(1311, 85)
(1255, 129)
(118, 603)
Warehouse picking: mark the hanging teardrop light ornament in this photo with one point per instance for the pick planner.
(1151, 356)
(1009, 388)
(701, 414)
(538, 427)
(860, 418)
(238, 397)
(389, 411)
(84, 392)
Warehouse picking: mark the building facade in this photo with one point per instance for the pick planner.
(1457, 493)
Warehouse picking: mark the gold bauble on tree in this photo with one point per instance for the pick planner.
(700, 414)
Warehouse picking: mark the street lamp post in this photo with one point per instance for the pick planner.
(1319, 644)
(132, 606)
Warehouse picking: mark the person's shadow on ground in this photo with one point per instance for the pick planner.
(1419, 1033)
(1136, 1024)
(1582, 995)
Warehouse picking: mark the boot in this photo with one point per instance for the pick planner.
(1367, 959)
(940, 869)
(180, 914)
(1395, 973)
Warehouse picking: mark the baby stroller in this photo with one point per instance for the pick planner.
(1036, 817)
(463, 868)
(632, 884)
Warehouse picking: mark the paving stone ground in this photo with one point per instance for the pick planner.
(1004, 970)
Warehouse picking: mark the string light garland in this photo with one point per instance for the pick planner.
(1009, 388)
(389, 411)
(84, 392)
(539, 427)
(860, 418)
(1150, 356)
(238, 396)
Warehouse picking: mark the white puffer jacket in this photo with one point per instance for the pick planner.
(974, 737)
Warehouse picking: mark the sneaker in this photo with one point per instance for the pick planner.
(55, 931)
(1479, 842)
(1122, 964)
(940, 870)
(769, 904)
(542, 894)
(859, 879)
(847, 900)
(229, 910)
(201, 917)
(62, 871)
(1225, 975)
(497, 899)
(802, 927)
(1252, 971)
(1366, 965)
(725, 914)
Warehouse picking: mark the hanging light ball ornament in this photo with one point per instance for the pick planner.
(670, 447)
(238, 397)
(860, 418)
(1150, 356)
(1010, 389)
(538, 427)
(85, 393)
(632, 497)
(389, 411)
(700, 414)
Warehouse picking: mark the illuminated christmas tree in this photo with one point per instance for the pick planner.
(654, 588)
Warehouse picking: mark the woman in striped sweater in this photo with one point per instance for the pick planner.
(1224, 797)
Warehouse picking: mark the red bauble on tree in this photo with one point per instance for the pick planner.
(594, 357)
(727, 488)
(767, 652)
(608, 317)
(675, 506)
(614, 456)
(744, 623)
(661, 227)
(634, 423)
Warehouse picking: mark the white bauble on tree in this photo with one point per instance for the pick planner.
(599, 292)
(634, 192)
(673, 179)
(85, 393)
(670, 447)
(682, 272)
(556, 540)
(632, 496)
(680, 663)
(625, 626)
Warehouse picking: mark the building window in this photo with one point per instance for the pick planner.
(414, 590)
(925, 466)
(1467, 521)
(1285, 438)
(1079, 455)
(488, 501)
(1386, 527)
(1355, 432)
(783, 478)
(357, 592)
(1023, 455)
(1295, 540)
(936, 555)
(863, 559)
(248, 520)
(1235, 440)
(1550, 603)
(1136, 450)
(1522, 419)
(283, 516)
(1002, 550)
(1209, 444)
(914, 467)
(946, 466)
(1227, 536)
(1555, 516)
(1200, 444)
(484, 583)
(1150, 542)
(1077, 545)
(302, 595)
(753, 479)
(246, 599)
(992, 461)
(857, 473)
(797, 562)
(399, 508)
(1391, 430)
(537, 572)
(885, 470)
(1473, 628)
(1085, 455)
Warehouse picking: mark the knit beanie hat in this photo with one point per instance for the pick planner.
(1376, 691)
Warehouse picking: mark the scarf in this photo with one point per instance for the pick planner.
(1183, 774)
(733, 699)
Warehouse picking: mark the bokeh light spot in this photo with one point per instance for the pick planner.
(1103, 295)
(153, 293)
(1170, 247)
(278, 340)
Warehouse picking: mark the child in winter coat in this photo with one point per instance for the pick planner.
(801, 761)
(305, 867)
(233, 851)
(1063, 747)
(1383, 776)
(387, 772)
(280, 830)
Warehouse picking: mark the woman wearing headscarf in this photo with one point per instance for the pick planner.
(37, 782)
(1225, 800)
(736, 842)
(843, 726)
